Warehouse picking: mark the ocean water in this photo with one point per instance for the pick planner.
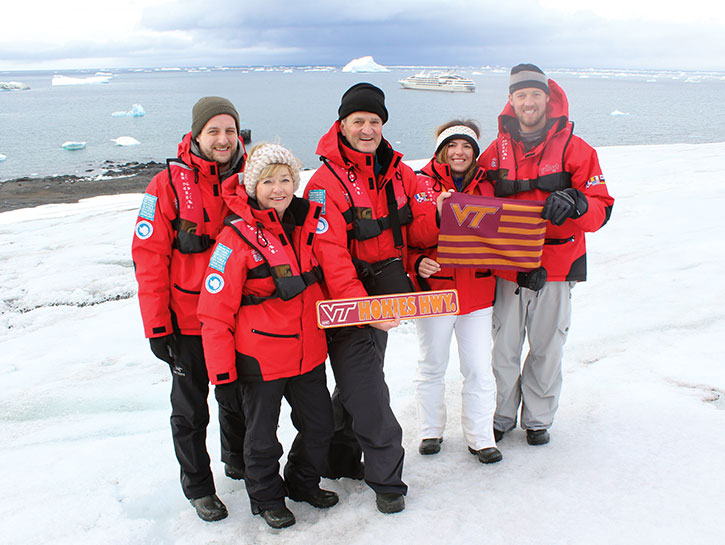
(295, 106)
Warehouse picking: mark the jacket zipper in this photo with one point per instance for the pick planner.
(266, 334)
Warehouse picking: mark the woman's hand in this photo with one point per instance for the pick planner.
(442, 197)
(427, 267)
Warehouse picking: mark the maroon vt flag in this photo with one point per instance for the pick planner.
(491, 233)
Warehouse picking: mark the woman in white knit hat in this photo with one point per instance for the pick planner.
(454, 168)
(260, 332)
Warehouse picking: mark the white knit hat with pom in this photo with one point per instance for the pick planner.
(269, 154)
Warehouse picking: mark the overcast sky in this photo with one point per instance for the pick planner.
(44, 34)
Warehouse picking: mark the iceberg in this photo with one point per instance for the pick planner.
(364, 64)
(91, 80)
(2, 157)
(13, 86)
(125, 141)
(618, 112)
(70, 145)
(135, 111)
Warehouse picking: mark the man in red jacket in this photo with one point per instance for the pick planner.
(536, 156)
(181, 214)
(364, 187)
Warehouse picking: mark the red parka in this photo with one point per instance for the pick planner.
(169, 281)
(354, 199)
(476, 287)
(562, 160)
(250, 332)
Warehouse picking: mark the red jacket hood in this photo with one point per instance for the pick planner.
(235, 195)
(206, 168)
(558, 107)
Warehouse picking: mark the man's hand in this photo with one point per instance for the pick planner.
(228, 396)
(164, 348)
(533, 280)
(564, 204)
(427, 267)
(386, 325)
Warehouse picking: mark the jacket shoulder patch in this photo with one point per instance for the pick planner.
(219, 258)
(318, 196)
(148, 207)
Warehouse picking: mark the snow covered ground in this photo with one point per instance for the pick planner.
(637, 449)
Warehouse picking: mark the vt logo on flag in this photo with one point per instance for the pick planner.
(491, 233)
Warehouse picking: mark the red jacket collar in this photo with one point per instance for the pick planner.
(558, 107)
(332, 148)
(442, 171)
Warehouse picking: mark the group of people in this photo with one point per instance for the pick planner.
(230, 264)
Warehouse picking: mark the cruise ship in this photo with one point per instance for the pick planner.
(439, 81)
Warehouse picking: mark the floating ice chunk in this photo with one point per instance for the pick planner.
(2, 157)
(364, 64)
(125, 141)
(135, 111)
(91, 80)
(13, 86)
(618, 112)
(70, 145)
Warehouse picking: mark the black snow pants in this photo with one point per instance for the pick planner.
(309, 400)
(364, 422)
(190, 418)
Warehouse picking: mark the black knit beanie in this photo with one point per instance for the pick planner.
(363, 97)
(527, 75)
(208, 107)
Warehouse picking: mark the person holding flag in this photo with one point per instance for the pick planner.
(453, 168)
(536, 157)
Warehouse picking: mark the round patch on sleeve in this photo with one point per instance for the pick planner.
(144, 229)
(322, 226)
(214, 283)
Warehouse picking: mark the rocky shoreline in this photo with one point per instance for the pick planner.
(115, 179)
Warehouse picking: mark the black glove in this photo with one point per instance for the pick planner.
(563, 204)
(533, 280)
(164, 348)
(228, 396)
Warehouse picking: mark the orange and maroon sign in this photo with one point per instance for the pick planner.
(378, 308)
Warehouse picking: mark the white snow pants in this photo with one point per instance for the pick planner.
(473, 335)
(544, 318)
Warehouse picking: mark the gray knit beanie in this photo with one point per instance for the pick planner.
(524, 76)
(208, 107)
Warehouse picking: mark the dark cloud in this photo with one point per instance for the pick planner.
(404, 32)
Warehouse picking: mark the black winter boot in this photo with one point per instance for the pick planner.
(278, 517)
(236, 473)
(489, 455)
(430, 446)
(321, 499)
(209, 508)
(389, 502)
(537, 437)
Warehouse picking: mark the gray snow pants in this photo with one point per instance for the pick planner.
(543, 318)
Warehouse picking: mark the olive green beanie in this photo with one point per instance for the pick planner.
(208, 107)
